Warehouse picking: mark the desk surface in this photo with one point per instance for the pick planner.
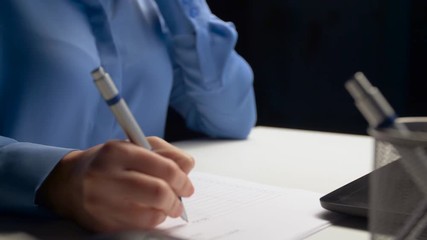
(315, 161)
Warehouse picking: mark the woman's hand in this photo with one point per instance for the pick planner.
(120, 186)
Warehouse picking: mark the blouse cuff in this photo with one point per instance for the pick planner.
(23, 169)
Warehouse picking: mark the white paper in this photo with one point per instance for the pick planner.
(227, 208)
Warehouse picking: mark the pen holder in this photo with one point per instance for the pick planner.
(397, 200)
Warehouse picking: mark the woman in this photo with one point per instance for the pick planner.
(56, 150)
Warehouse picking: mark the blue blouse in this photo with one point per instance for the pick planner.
(160, 53)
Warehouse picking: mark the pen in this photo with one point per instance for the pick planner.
(380, 115)
(121, 112)
(372, 104)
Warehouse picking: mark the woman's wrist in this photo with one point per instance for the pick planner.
(56, 192)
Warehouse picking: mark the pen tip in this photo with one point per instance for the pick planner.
(184, 216)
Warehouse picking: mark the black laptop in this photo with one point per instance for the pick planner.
(353, 198)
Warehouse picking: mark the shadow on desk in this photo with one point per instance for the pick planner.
(27, 227)
(36, 228)
(346, 221)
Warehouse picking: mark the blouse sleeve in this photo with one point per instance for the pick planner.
(23, 168)
(213, 85)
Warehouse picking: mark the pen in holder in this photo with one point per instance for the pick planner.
(398, 200)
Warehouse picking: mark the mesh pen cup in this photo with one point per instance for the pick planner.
(398, 198)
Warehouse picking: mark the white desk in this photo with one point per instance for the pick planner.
(308, 160)
(314, 161)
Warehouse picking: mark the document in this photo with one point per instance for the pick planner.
(228, 208)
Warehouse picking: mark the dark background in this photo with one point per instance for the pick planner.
(302, 52)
